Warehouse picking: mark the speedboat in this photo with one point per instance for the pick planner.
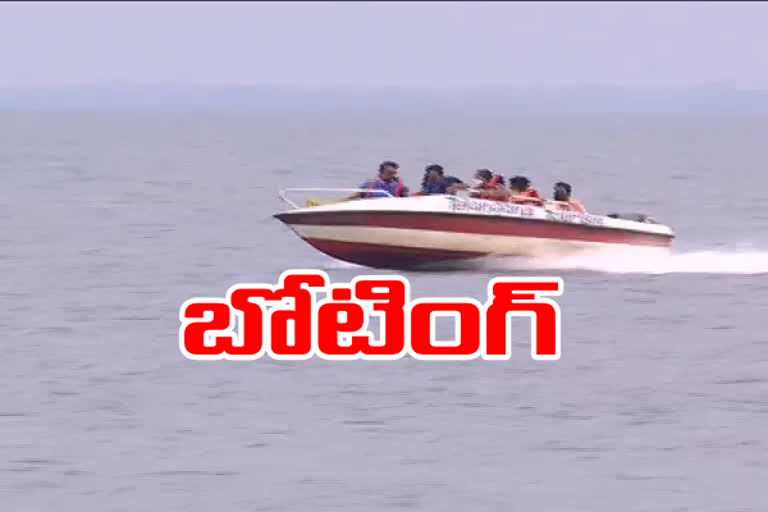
(423, 231)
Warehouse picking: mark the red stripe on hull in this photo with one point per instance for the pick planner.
(480, 225)
(387, 256)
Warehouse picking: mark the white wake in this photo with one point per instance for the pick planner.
(630, 261)
(688, 262)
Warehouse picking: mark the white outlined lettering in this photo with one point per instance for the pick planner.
(288, 321)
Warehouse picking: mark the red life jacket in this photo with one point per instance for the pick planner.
(532, 192)
(400, 188)
(532, 197)
(494, 191)
(493, 183)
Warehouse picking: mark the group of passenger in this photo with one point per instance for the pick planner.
(487, 185)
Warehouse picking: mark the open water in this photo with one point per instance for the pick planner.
(108, 222)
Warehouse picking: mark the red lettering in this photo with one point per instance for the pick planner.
(251, 320)
(423, 345)
(294, 308)
(193, 333)
(300, 344)
(329, 326)
(388, 297)
(519, 297)
(286, 321)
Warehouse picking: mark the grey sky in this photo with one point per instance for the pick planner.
(408, 44)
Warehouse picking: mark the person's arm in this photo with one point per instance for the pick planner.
(360, 195)
(451, 189)
(497, 193)
(577, 206)
(526, 199)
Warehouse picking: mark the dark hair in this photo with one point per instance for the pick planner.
(562, 191)
(490, 176)
(452, 180)
(388, 163)
(484, 174)
(433, 167)
(564, 185)
(519, 182)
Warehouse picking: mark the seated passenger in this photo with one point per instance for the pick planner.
(386, 181)
(522, 193)
(454, 184)
(562, 194)
(435, 182)
(489, 186)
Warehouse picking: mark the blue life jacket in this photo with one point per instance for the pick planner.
(395, 188)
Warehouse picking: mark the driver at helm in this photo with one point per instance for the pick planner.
(387, 181)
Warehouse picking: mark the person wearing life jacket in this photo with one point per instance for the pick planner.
(435, 182)
(387, 181)
(562, 194)
(489, 186)
(522, 193)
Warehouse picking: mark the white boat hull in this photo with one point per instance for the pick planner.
(422, 231)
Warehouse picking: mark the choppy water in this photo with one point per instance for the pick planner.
(109, 222)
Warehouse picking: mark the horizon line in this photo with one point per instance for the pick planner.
(722, 85)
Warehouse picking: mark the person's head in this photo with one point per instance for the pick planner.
(519, 184)
(388, 170)
(562, 191)
(483, 176)
(487, 178)
(433, 173)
